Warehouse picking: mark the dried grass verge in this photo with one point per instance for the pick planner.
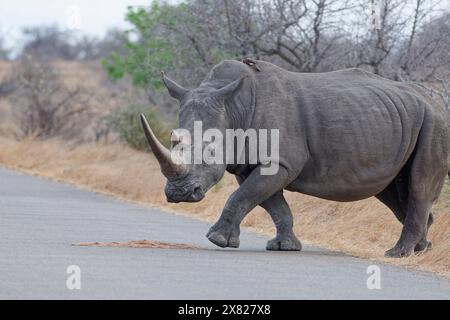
(363, 228)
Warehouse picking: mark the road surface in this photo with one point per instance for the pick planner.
(40, 220)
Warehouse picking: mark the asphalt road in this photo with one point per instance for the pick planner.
(40, 220)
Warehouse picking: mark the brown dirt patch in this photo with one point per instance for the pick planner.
(137, 244)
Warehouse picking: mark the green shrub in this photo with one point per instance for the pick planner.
(126, 122)
(218, 186)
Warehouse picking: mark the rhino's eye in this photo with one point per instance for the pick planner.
(175, 142)
(210, 152)
(179, 137)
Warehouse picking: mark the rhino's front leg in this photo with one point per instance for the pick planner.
(253, 191)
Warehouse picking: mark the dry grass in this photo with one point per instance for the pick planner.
(365, 228)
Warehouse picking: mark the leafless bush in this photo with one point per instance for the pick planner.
(47, 42)
(92, 48)
(425, 55)
(304, 35)
(411, 42)
(4, 52)
(43, 105)
(445, 93)
(7, 86)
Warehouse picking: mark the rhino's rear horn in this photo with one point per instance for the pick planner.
(168, 167)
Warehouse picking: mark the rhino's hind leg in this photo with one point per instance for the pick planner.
(281, 215)
(395, 197)
(426, 175)
(415, 229)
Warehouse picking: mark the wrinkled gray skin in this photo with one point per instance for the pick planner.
(344, 136)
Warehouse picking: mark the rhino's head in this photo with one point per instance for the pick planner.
(188, 182)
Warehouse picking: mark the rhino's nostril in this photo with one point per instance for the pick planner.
(198, 193)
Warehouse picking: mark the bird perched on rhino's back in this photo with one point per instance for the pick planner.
(344, 135)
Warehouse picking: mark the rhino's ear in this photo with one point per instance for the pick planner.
(229, 89)
(175, 90)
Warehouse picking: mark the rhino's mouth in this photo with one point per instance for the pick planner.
(192, 194)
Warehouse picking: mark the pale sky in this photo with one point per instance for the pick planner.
(92, 17)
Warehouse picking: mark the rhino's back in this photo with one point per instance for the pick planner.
(358, 129)
(361, 130)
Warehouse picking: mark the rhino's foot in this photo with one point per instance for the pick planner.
(286, 243)
(423, 246)
(399, 251)
(223, 237)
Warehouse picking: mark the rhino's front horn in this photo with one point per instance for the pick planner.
(168, 168)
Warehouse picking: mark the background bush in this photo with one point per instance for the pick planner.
(126, 122)
(45, 106)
